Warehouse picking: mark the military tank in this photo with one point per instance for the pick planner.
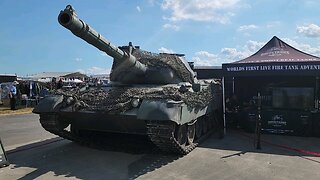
(157, 95)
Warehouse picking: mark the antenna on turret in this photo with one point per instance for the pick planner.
(130, 47)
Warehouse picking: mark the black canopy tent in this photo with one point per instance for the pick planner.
(276, 68)
(275, 58)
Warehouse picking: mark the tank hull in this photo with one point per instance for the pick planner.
(132, 121)
(105, 123)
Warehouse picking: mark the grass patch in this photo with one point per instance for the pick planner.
(20, 110)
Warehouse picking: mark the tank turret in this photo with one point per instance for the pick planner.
(130, 65)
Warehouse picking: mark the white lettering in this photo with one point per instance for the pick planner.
(235, 69)
(252, 68)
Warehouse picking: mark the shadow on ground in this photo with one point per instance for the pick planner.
(63, 159)
(241, 142)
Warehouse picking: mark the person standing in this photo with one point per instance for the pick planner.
(12, 95)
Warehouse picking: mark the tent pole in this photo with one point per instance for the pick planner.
(317, 93)
(233, 85)
(224, 105)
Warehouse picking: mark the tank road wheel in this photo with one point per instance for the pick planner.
(198, 127)
(191, 133)
(180, 134)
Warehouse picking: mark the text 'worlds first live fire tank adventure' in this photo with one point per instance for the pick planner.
(157, 95)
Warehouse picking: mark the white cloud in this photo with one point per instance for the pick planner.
(138, 8)
(78, 59)
(303, 47)
(196, 10)
(247, 27)
(201, 62)
(233, 54)
(171, 26)
(165, 50)
(94, 71)
(204, 58)
(205, 54)
(312, 30)
(253, 46)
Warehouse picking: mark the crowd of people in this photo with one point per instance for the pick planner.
(18, 93)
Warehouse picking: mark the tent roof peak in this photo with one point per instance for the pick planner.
(276, 50)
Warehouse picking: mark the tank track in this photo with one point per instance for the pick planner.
(162, 135)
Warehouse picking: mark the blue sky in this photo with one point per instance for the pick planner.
(208, 32)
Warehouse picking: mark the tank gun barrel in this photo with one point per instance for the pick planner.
(68, 19)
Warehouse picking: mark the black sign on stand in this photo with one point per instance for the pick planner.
(3, 157)
(257, 139)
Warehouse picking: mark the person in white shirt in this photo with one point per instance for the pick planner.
(12, 95)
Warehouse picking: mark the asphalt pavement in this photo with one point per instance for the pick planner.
(21, 129)
(36, 154)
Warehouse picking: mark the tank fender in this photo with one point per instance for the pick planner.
(49, 104)
(160, 110)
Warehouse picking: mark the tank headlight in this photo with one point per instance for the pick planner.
(135, 102)
(70, 100)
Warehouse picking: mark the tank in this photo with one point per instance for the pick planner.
(151, 94)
